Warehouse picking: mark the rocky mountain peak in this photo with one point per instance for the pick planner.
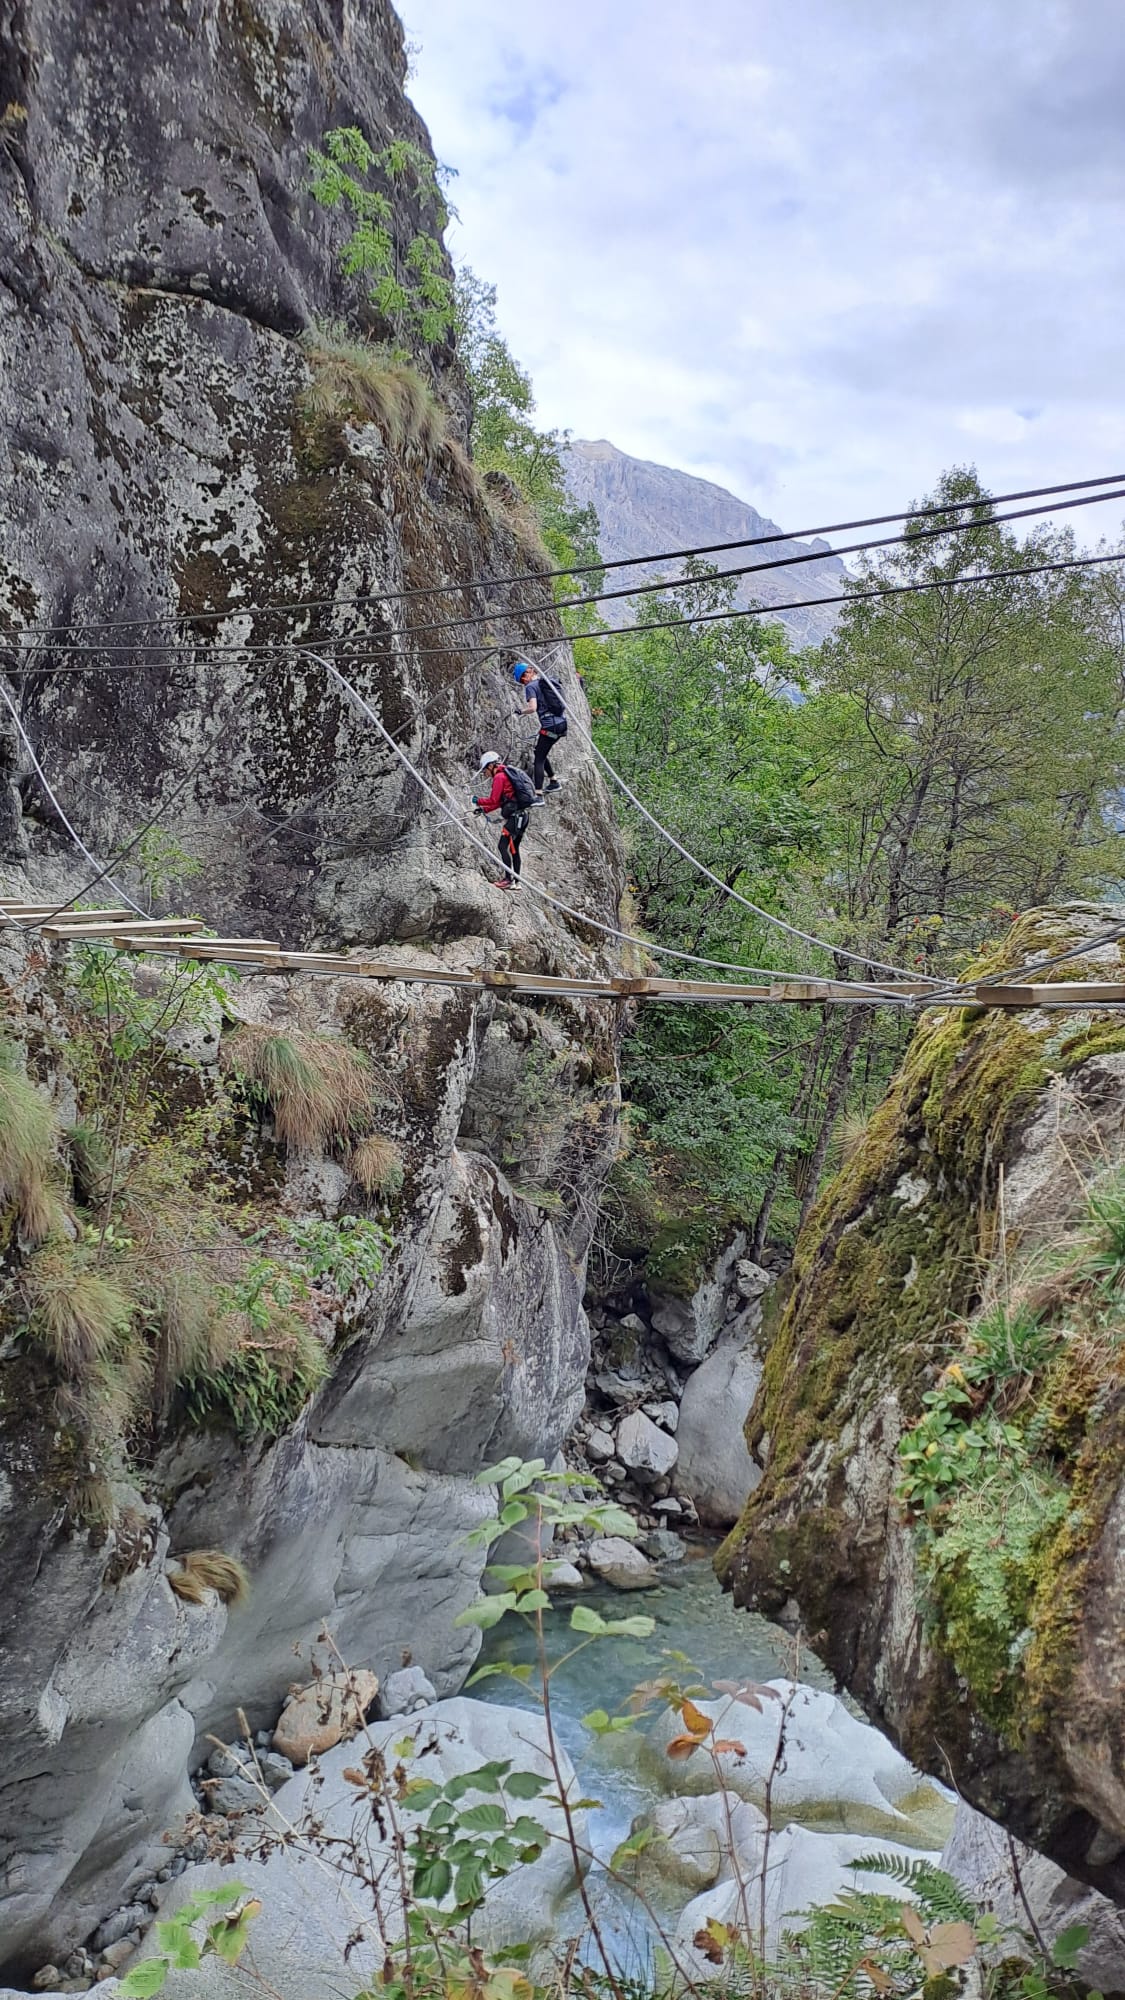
(643, 506)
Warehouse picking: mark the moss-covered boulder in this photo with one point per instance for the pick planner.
(980, 1620)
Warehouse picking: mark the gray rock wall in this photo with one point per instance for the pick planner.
(158, 256)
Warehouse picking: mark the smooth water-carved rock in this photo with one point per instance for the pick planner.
(804, 1871)
(835, 1769)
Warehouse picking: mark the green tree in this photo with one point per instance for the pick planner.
(966, 741)
(965, 749)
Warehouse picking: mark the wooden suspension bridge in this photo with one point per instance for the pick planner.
(187, 938)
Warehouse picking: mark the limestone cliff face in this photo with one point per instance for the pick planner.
(162, 457)
(969, 1185)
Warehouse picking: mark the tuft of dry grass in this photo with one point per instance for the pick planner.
(202, 1570)
(318, 1089)
(354, 381)
(92, 1501)
(43, 1213)
(28, 1141)
(77, 1314)
(376, 1164)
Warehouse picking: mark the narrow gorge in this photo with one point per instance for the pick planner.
(289, 1259)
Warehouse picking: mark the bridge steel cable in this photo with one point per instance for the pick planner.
(863, 994)
(94, 655)
(1031, 968)
(553, 607)
(872, 993)
(615, 563)
(766, 916)
(664, 584)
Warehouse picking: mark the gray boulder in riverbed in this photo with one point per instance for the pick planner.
(644, 1449)
(714, 1467)
(616, 1561)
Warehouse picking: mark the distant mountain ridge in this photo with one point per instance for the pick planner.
(643, 506)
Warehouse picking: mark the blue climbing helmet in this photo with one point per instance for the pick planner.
(521, 668)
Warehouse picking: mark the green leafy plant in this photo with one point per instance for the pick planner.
(346, 1254)
(407, 283)
(163, 862)
(266, 1382)
(225, 1914)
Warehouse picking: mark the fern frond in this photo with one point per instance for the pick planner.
(940, 1899)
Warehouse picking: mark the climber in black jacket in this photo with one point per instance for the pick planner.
(542, 698)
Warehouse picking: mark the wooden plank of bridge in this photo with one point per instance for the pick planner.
(177, 937)
(37, 913)
(168, 942)
(1059, 993)
(135, 927)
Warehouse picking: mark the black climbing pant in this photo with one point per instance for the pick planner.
(515, 826)
(545, 743)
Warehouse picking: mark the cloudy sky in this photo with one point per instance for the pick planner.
(813, 251)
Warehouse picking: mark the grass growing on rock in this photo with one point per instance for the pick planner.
(76, 1313)
(29, 1140)
(201, 1570)
(376, 1164)
(353, 381)
(317, 1089)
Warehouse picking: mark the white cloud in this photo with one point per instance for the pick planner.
(815, 253)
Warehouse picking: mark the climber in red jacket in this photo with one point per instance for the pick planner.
(511, 795)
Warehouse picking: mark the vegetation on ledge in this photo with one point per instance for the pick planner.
(151, 1277)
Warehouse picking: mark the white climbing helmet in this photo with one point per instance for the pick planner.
(490, 757)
